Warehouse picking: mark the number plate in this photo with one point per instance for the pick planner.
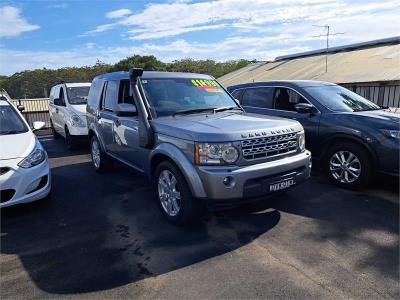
(281, 185)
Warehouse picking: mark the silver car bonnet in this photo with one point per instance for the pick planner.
(223, 126)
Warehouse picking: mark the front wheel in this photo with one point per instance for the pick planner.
(174, 197)
(348, 165)
(71, 144)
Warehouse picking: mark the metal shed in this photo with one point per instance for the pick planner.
(371, 69)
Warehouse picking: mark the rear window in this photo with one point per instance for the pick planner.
(258, 97)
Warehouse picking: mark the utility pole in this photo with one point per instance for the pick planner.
(327, 27)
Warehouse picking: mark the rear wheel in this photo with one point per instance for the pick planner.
(100, 160)
(174, 197)
(348, 165)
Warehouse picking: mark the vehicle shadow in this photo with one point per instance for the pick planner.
(100, 231)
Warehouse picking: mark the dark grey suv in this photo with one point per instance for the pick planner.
(351, 137)
(188, 134)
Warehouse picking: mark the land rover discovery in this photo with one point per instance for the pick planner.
(193, 139)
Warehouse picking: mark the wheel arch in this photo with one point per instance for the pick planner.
(344, 138)
(169, 152)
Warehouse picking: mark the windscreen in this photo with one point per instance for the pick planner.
(78, 95)
(10, 121)
(173, 95)
(338, 98)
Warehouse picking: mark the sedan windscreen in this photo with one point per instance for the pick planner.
(170, 96)
(10, 121)
(78, 95)
(338, 98)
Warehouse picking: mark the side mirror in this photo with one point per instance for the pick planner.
(21, 108)
(38, 125)
(125, 109)
(305, 108)
(58, 102)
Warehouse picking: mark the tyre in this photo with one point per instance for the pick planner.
(71, 144)
(174, 197)
(349, 165)
(55, 134)
(100, 160)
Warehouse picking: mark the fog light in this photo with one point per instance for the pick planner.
(228, 181)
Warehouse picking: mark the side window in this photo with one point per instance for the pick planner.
(61, 95)
(51, 98)
(258, 97)
(237, 94)
(111, 95)
(286, 99)
(125, 92)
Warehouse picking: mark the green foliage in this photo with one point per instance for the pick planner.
(37, 83)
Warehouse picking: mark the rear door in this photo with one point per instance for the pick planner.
(107, 116)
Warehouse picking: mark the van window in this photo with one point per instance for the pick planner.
(61, 96)
(286, 99)
(258, 97)
(125, 92)
(111, 95)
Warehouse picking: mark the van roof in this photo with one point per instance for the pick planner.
(77, 84)
(153, 75)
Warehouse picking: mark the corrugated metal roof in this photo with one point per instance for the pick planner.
(380, 63)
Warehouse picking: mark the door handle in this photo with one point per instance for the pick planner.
(117, 122)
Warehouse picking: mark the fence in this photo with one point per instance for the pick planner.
(35, 110)
(386, 95)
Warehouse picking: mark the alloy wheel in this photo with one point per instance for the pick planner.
(95, 153)
(168, 193)
(345, 166)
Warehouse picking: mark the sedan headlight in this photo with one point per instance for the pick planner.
(215, 153)
(395, 134)
(302, 142)
(75, 120)
(36, 157)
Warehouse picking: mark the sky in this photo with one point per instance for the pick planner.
(52, 34)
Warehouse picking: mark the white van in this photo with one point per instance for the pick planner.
(67, 108)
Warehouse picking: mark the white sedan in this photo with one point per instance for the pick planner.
(24, 167)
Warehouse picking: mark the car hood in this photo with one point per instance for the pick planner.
(79, 109)
(389, 117)
(224, 126)
(16, 145)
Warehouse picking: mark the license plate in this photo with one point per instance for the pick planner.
(281, 185)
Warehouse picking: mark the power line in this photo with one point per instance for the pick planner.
(327, 27)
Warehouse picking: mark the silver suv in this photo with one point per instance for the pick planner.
(185, 132)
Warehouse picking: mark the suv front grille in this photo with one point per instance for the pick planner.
(266, 147)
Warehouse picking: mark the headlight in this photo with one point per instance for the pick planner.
(395, 134)
(76, 121)
(302, 142)
(36, 157)
(215, 153)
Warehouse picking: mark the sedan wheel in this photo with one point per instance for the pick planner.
(168, 193)
(345, 167)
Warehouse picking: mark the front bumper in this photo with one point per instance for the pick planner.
(249, 181)
(19, 185)
(388, 153)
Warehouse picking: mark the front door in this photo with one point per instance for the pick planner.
(126, 132)
(283, 105)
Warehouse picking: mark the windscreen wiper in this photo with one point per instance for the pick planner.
(219, 109)
(193, 111)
